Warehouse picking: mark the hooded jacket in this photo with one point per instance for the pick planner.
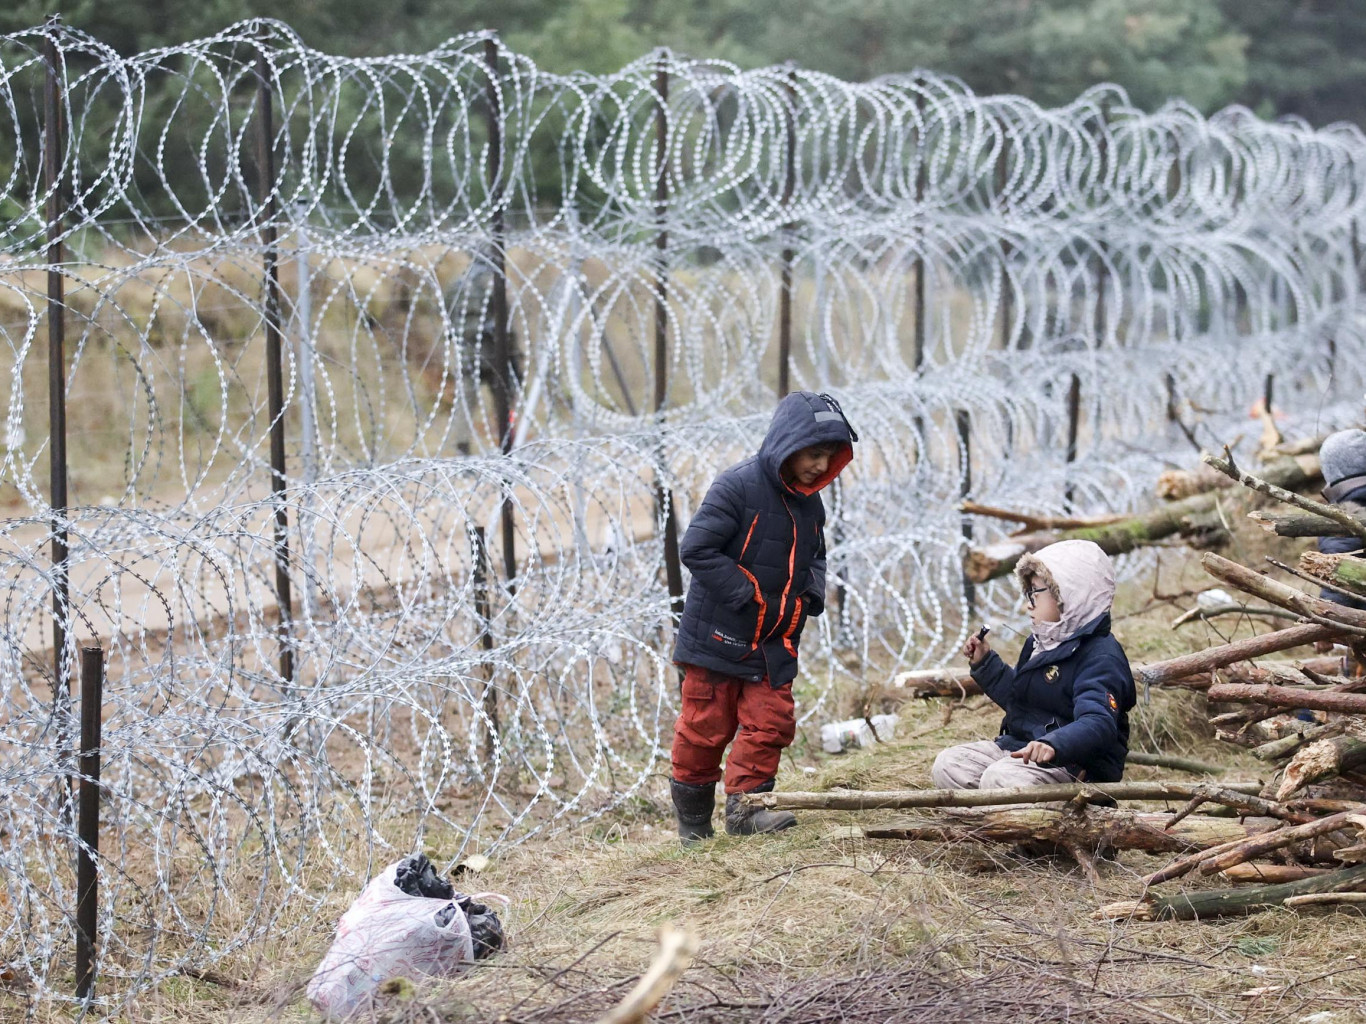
(1072, 687)
(1352, 494)
(756, 550)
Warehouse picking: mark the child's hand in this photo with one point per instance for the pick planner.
(976, 649)
(1035, 750)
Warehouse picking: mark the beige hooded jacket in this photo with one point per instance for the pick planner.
(1082, 579)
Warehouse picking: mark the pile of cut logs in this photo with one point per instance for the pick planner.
(1294, 839)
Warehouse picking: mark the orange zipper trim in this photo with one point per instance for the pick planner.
(791, 569)
(752, 524)
(792, 626)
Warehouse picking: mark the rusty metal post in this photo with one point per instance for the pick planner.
(789, 254)
(1073, 422)
(275, 388)
(88, 825)
(919, 267)
(502, 347)
(963, 420)
(483, 611)
(673, 565)
(54, 142)
(1007, 296)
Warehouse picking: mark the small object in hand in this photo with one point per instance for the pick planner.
(982, 633)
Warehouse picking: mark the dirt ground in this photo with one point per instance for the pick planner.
(821, 924)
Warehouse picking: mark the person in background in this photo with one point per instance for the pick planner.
(756, 550)
(1067, 699)
(1343, 458)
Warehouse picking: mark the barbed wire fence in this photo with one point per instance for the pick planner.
(380, 389)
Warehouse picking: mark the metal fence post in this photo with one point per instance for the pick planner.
(483, 611)
(789, 254)
(502, 348)
(673, 566)
(265, 164)
(1007, 296)
(88, 825)
(963, 420)
(1073, 422)
(54, 141)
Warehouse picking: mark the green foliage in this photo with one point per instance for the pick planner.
(1280, 56)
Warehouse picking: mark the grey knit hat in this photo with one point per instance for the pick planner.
(1343, 455)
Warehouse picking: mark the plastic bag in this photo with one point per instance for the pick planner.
(838, 737)
(407, 922)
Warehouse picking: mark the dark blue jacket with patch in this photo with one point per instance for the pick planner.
(756, 551)
(1076, 698)
(1343, 545)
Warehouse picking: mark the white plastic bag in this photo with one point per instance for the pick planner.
(838, 737)
(386, 934)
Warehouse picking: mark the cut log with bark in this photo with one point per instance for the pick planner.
(1271, 874)
(1162, 672)
(1260, 846)
(1325, 899)
(869, 800)
(1231, 902)
(1346, 572)
(991, 561)
(1290, 471)
(1276, 592)
(1031, 523)
(1304, 524)
(1180, 764)
(1286, 746)
(957, 682)
(1265, 485)
(1097, 828)
(1323, 759)
(1289, 697)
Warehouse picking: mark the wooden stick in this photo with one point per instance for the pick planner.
(1276, 592)
(1271, 873)
(868, 800)
(1344, 572)
(1324, 899)
(1287, 745)
(1290, 697)
(1345, 519)
(677, 946)
(1096, 828)
(1232, 608)
(1322, 759)
(1228, 902)
(1301, 524)
(957, 682)
(1175, 484)
(1260, 846)
(1033, 522)
(987, 563)
(1160, 672)
(1180, 764)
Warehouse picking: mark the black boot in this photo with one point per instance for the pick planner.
(742, 820)
(693, 805)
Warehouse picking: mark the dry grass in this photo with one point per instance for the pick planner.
(822, 924)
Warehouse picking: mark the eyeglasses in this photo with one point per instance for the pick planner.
(1031, 591)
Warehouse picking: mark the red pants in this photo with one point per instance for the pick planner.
(714, 707)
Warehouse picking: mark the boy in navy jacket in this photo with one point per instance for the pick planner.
(756, 550)
(1068, 698)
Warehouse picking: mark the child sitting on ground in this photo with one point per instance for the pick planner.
(756, 550)
(1067, 699)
